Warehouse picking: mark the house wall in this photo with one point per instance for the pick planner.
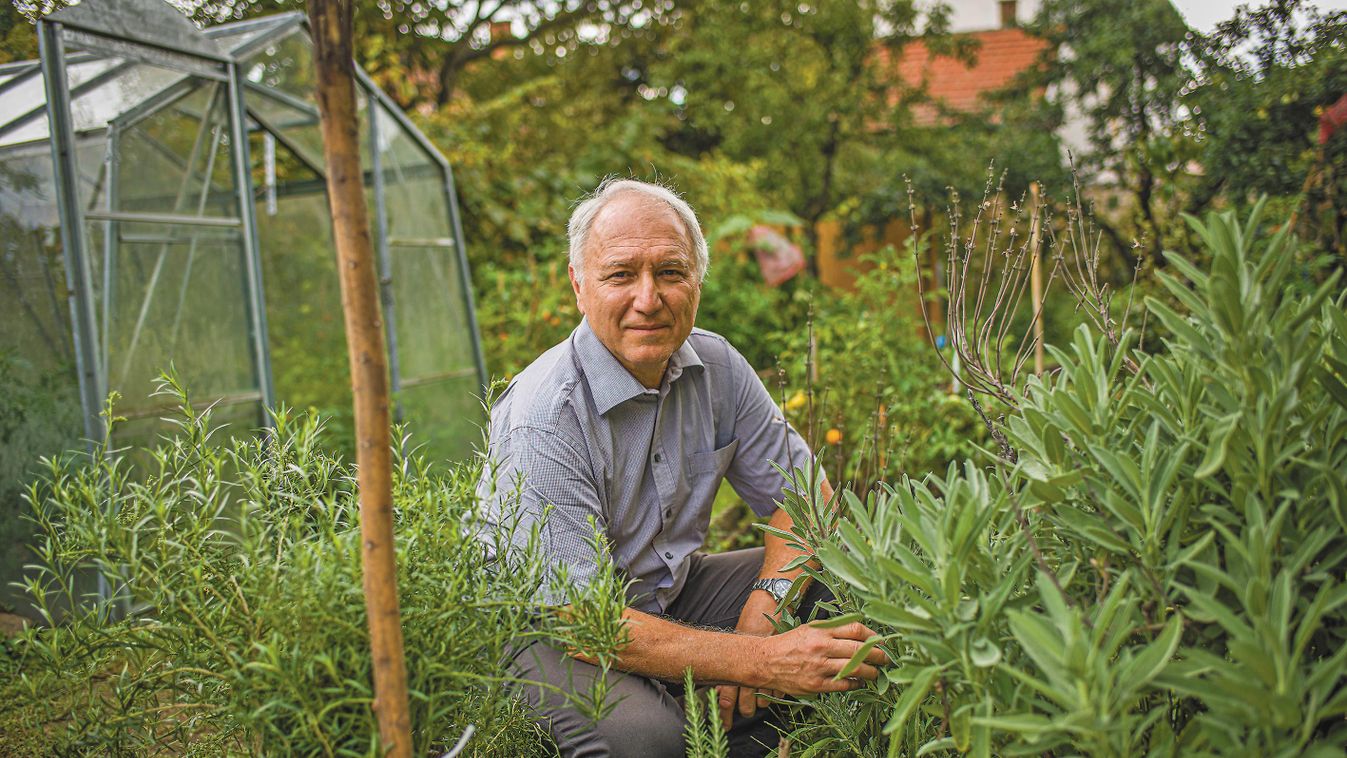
(980, 15)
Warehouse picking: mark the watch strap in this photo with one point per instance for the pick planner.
(776, 587)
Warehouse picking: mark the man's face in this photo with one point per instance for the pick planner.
(640, 290)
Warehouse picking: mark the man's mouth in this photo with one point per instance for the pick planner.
(648, 327)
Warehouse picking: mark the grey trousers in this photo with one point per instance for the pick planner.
(647, 720)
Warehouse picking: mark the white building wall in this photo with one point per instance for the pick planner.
(980, 15)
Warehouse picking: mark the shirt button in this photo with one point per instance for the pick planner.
(657, 457)
(669, 556)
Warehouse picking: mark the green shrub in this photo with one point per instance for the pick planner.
(1155, 568)
(236, 621)
(879, 383)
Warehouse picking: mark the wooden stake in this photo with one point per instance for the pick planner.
(1036, 280)
(331, 21)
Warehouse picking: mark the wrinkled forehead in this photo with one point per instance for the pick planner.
(633, 222)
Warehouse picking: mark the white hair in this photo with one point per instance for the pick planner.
(582, 220)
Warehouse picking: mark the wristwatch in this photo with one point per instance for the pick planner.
(777, 588)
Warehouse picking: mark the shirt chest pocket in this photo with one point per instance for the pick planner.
(712, 462)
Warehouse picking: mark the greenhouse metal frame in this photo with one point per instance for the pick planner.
(163, 206)
(149, 32)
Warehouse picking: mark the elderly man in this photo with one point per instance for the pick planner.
(631, 423)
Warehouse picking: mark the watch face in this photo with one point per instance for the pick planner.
(777, 587)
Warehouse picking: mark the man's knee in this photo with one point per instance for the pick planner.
(640, 728)
(645, 721)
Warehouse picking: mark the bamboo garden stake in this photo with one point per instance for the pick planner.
(1036, 281)
(332, 52)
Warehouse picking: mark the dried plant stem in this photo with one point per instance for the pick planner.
(1007, 452)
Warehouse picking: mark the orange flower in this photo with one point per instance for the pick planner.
(833, 436)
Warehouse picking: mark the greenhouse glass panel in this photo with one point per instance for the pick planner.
(418, 207)
(442, 417)
(40, 411)
(181, 155)
(154, 313)
(434, 350)
(239, 35)
(427, 346)
(280, 95)
(305, 326)
(175, 139)
(24, 118)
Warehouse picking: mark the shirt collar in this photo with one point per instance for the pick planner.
(610, 383)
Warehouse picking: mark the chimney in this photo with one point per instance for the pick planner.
(1008, 15)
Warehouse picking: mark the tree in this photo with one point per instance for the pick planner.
(418, 51)
(332, 29)
(18, 41)
(805, 91)
(1266, 77)
(1121, 65)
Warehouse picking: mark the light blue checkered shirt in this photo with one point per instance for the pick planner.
(583, 435)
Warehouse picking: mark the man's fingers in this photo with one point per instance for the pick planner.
(863, 671)
(748, 701)
(726, 696)
(853, 631)
(845, 648)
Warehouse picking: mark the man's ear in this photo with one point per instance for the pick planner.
(575, 287)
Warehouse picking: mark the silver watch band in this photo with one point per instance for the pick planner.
(776, 587)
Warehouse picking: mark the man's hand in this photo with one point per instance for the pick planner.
(802, 661)
(806, 659)
(755, 619)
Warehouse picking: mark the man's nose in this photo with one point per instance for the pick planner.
(648, 299)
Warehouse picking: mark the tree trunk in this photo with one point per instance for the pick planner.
(332, 32)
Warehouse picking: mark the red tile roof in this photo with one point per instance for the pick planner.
(1002, 53)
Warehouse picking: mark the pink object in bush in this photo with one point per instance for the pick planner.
(778, 258)
(1335, 116)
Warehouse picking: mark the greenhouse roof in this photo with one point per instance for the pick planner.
(149, 22)
(100, 83)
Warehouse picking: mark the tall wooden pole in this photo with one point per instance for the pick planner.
(332, 22)
(1036, 279)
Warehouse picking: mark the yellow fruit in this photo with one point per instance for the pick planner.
(796, 401)
(833, 436)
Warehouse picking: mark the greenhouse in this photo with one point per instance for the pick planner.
(163, 206)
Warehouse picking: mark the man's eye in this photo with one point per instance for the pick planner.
(619, 275)
(676, 273)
